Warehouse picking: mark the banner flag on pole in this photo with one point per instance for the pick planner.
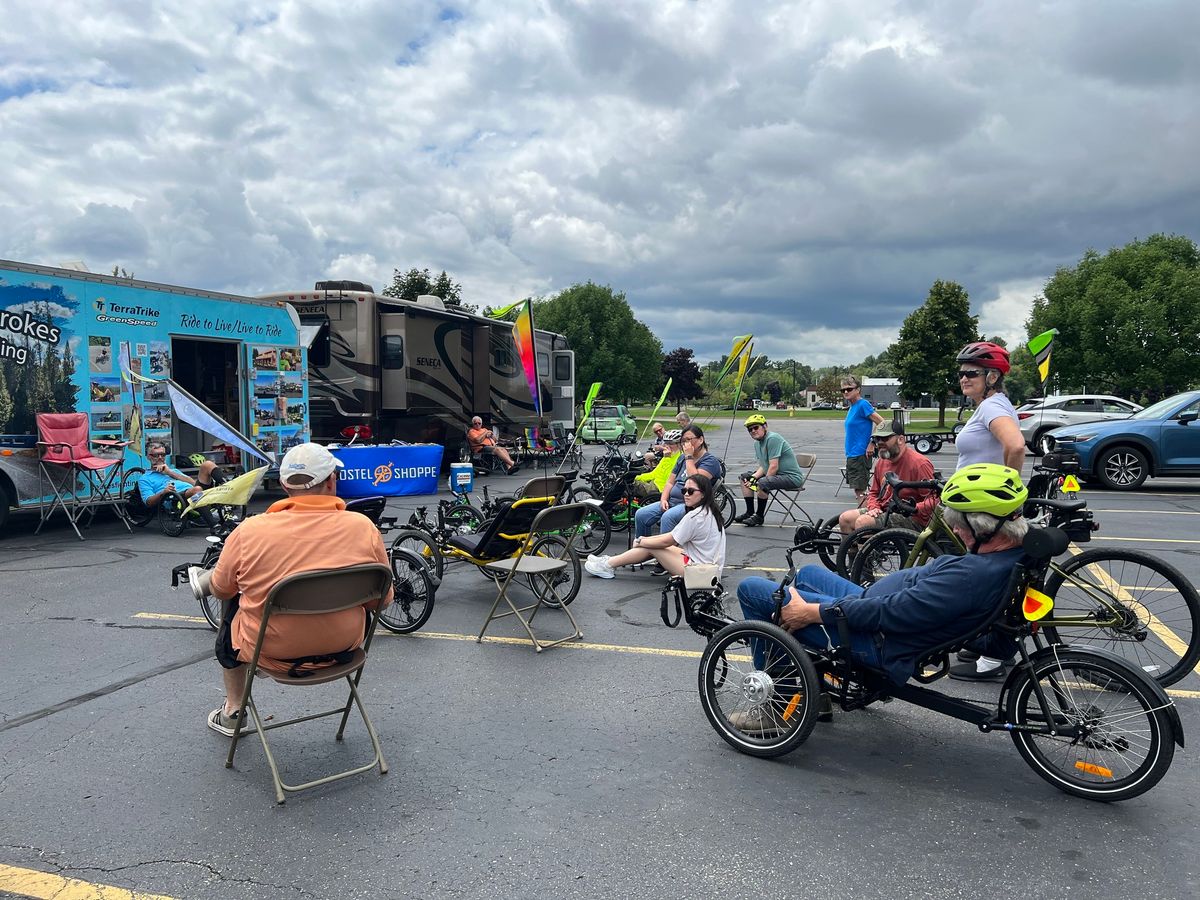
(501, 313)
(192, 411)
(662, 397)
(235, 492)
(523, 337)
(739, 347)
(135, 429)
(593, 392)
(1040, 348)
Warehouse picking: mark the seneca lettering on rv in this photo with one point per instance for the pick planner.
(26, 325)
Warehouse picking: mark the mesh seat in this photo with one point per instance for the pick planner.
(788, 500)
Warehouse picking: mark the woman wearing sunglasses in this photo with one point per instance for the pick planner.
(992, 434)
(699, 537)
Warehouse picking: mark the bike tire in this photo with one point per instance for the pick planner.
(781, 698)
(825, 532)
(595, 531)
(421, 543)
(727, 505)
(888, 552)
(560, 588)
(414, 593)
(1131, 738)
(171, 516)
(210, 606)
(1162, 634)
(136, 511)
(850, 546)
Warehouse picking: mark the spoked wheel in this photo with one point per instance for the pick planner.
(136, 511)
(758, 688)
(1125, 736)
(727, 504)
(414, 593)
(421, 543)
(594, 531)
(557, 588)
(888, 552)
(1152, 610)
(170, 515)
(462, 518)
(851, 545)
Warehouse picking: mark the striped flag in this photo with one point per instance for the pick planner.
(1040, 348)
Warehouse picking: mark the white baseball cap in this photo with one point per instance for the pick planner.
(306, 465)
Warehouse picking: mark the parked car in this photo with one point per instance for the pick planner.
(1160, 440)
(1040, 416)
(823, 406)
(609, 422)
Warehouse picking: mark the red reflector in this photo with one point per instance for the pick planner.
(1023, 416)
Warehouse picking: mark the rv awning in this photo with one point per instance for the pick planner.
(308, 334)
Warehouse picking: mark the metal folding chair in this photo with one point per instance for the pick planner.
(789, 501)
(79, 480)
(543, 573)
(309, 593)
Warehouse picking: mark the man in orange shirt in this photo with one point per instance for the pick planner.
(310, 529)
(482, 441)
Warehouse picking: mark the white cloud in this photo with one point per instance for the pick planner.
(811, 168)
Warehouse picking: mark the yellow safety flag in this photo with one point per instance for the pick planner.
(1039, 348)
(1070, 485)
(1036, 604)
(740, 346)
(235, 492)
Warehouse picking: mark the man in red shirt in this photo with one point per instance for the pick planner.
(894, 455)
(308, 530)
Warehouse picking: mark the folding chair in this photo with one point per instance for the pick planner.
(309, 593)
(79, 480)
(541, 572)
(789, 500)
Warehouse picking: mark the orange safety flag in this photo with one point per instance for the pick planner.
(1036, 605)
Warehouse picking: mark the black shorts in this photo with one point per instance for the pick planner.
(227, 655)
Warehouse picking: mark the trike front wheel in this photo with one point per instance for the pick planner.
(414, 591)
(758, 688)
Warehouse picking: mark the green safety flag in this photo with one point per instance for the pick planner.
(1040, 348)
(592, 393)
(662, 398)
(740, 345)
(500, 313)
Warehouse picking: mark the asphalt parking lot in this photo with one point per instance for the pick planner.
(584, 771)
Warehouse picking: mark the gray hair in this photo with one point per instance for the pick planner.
(983, 523)
(684, 419)
(851, 381)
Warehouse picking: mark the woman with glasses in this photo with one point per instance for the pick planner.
(861, 420)
(699, 537)
(992, 434)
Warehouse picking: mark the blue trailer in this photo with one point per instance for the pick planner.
(79, 342)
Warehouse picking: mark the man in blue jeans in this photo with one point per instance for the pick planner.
(669, 510)
(898, 619)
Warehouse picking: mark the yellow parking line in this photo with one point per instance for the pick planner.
(42, 885)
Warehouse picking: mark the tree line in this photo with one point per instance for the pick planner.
(1128, 324)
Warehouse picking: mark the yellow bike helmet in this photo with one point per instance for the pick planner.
(987, 488)
(755, 419)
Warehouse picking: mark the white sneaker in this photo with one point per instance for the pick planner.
(598, 566)
(198, 580)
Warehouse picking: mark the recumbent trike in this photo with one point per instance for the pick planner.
(1085, 720)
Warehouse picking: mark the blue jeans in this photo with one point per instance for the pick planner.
(817, 585)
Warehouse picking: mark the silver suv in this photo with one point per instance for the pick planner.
(1039, 417)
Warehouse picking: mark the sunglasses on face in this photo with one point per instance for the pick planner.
(753, 428)
(687, 492)
(157, 455)
(849, 390)
(969, 373)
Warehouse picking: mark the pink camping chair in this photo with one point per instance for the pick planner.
(80, 481)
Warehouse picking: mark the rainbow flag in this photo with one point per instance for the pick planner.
(523, 337)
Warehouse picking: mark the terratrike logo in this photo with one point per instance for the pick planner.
(99, 304)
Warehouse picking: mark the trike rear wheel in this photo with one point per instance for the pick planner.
(557, 588)
(762, 711)
(1127, 737)
(414, 593)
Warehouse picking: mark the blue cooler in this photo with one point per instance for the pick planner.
(462, 477)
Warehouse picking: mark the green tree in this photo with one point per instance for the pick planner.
(680, 366)
(829, 388)
(610, 344)
(1127, 321)
(415, 282)
(932, 334)
(6, 403)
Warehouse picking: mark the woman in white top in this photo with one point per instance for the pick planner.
(699, 537)
(992, 434)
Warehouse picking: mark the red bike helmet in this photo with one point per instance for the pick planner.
(986, 354)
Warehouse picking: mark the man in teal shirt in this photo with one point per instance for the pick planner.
(777, 470)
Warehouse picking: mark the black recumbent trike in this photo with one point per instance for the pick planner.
(1085, 720)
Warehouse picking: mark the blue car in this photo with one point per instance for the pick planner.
(1160, 440)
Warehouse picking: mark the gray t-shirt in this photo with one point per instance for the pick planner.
(976, 443)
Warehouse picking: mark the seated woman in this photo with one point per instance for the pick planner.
(699, 537)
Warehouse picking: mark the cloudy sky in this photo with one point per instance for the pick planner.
(800, 170)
